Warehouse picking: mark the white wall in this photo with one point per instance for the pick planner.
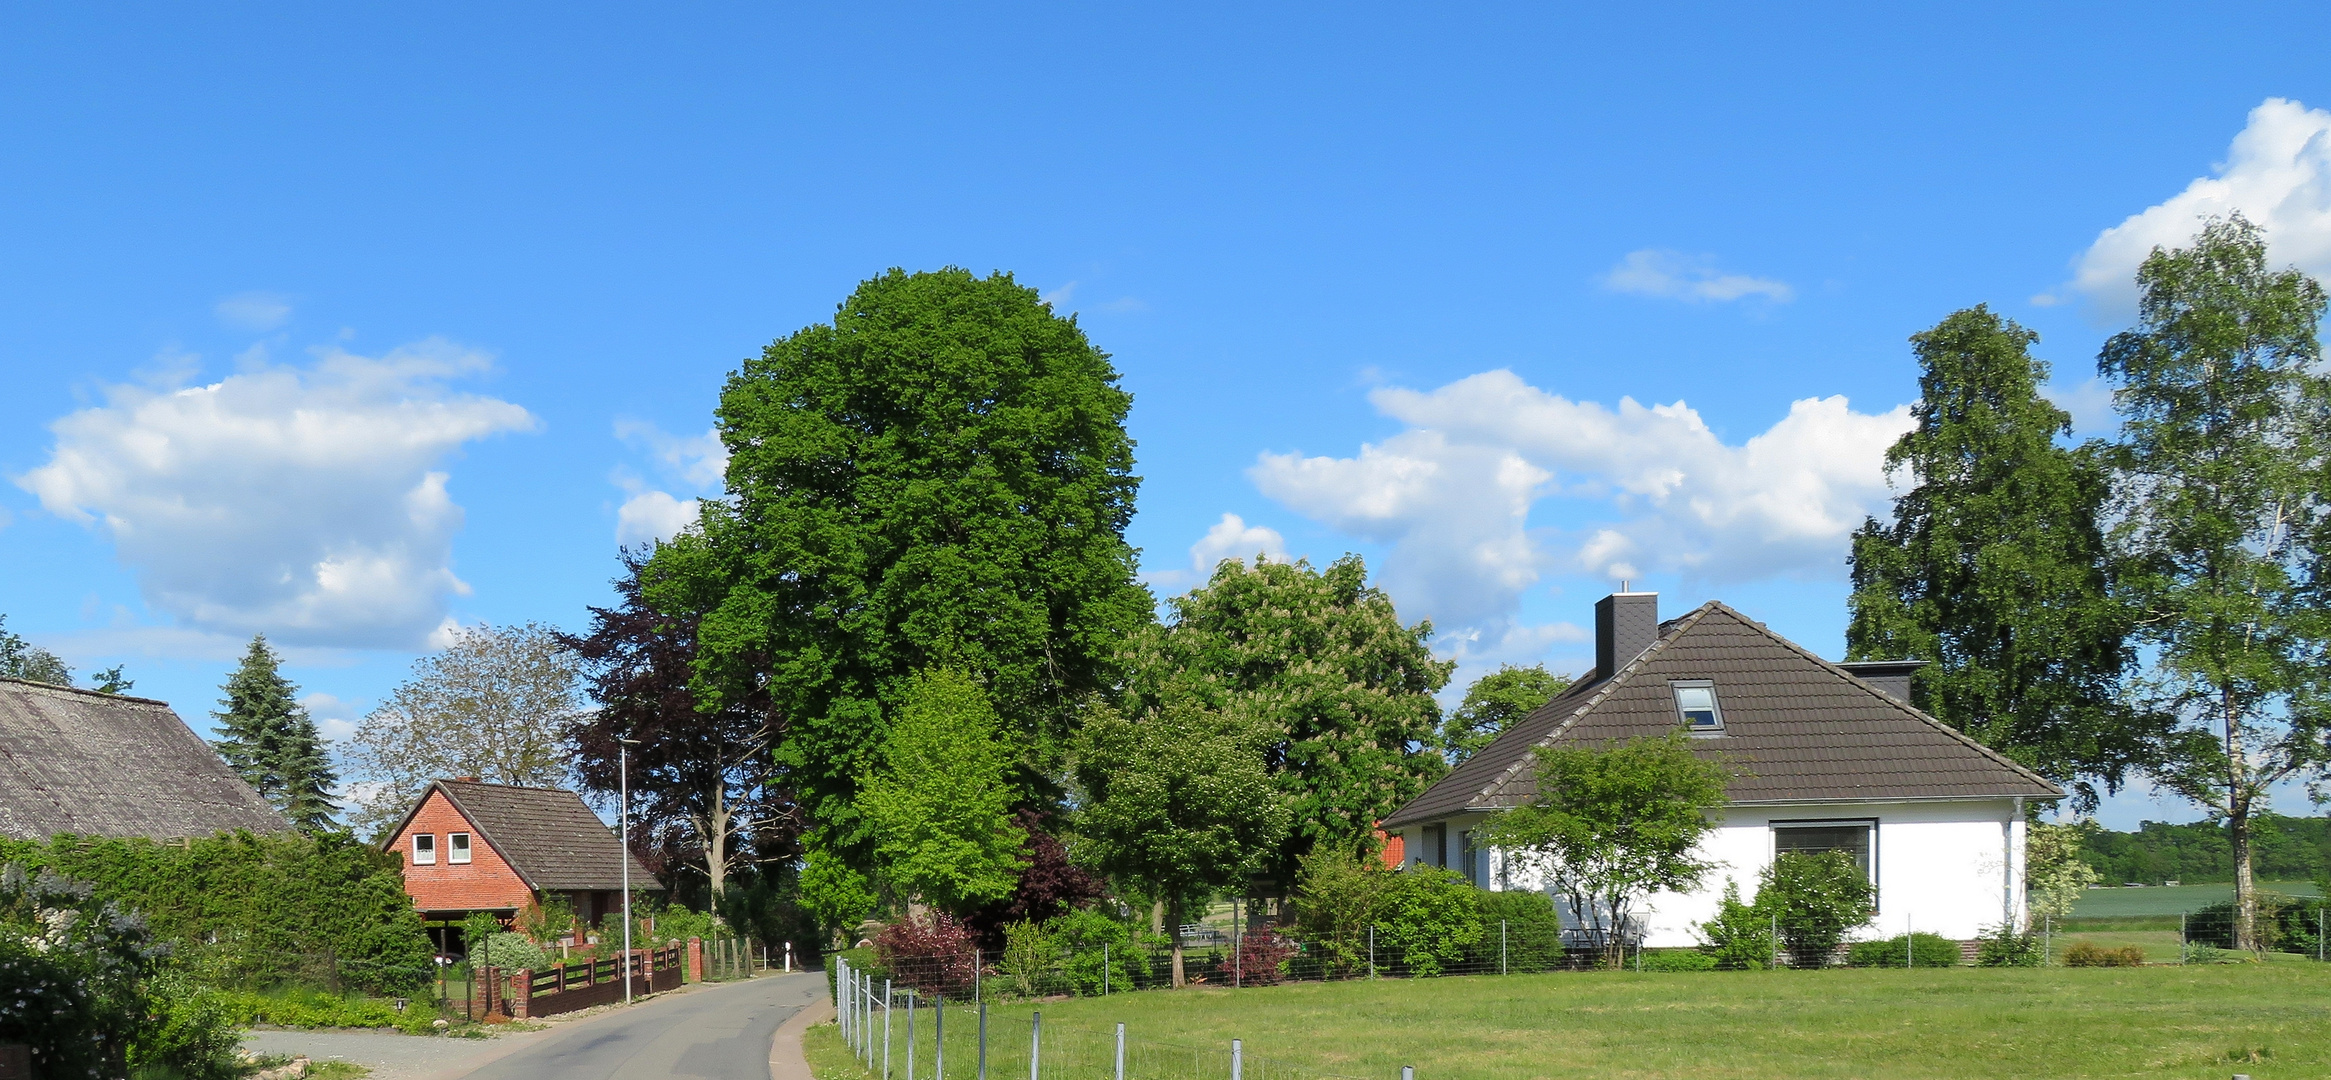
(1943, 868)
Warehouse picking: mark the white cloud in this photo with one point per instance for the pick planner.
(303, 503)
(1233, 538)
(254, 310)
(1451, 495)
(2277, 173)
(1673, 274)
(698, 461)
(334, 717)
(652, 516)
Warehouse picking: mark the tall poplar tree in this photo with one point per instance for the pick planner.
(2222, 469)
(939, 477)
(1994, 568)
(266, 735)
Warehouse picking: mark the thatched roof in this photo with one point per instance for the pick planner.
(77, 761)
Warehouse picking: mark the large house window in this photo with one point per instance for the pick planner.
(424, 849)
(1695, 702)
(457, 847)
(1436, 845)
(1855, 838)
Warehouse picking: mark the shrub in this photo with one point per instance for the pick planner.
(513, 952)
(1338, 896)
(1905, 950)
(2284, 924)
(1678, 960)
(302, 1008)
(1532, 928)
(89, 990)
(1092, 939)
(1031, 958)
(1428, 918)
(1262, 956)
(2001, 946)
(1740, 937)
(1816, 898)
(934, 957)
(2090, 954)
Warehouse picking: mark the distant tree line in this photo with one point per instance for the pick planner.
(2282, 848)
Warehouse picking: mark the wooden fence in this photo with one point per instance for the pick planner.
(567, 987)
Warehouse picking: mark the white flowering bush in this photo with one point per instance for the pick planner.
(84, 985)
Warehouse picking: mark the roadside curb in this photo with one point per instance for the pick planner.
(786, 1061)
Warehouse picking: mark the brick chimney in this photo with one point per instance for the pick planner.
(1625, 624)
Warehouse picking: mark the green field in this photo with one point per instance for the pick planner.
(2266, 1020)
(2171, 900)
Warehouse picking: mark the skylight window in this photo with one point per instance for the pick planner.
(1695, 702)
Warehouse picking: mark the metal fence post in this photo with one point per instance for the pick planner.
(939, 1037)
(975, 998)
(2181, 937)
(1501, 946)
(1371, 952)
(910, 1035)
(1237, 948)
(1237, 1059)
(886, 1029)
(1104, 969)
(1776, 940)
(1035, 1046)
(841, 990)
(983, 1040)
(1408, 1072)
(1120, 1052)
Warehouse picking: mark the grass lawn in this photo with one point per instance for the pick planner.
(2169, 900)
(2208, 1021)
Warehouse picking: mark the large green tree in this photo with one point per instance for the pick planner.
(939, 805)
(1177, 801)
(1320, 663)
(266, 735)
(1493, 703)
(2222, 468)
(940, 477)
(1994, 567)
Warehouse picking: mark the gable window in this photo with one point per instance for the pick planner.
(457, 847)
(1695, 703)
(424, 849)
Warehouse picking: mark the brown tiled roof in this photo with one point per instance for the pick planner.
(77, 761)
(546, 834)
(1797, 728)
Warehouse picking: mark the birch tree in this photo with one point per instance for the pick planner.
(2222, 465)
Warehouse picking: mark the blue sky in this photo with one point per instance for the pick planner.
(342, 325)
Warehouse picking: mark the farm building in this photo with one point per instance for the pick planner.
(471, 846)
(1827, 757)
(90, 764)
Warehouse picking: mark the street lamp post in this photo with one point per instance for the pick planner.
(623, 811)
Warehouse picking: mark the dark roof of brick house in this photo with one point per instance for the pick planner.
(77, 761)
(547, 835)
(1797, 729)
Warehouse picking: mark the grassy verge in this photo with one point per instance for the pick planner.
(2267, 1020)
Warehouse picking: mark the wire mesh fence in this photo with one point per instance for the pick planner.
(897, 1034)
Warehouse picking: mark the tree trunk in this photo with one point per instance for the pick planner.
(2238, 831)
(716, 842)
(1177, 932)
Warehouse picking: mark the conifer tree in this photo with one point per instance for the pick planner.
(1995, 568)
(268, 737)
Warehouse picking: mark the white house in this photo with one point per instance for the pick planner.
(1829, 757)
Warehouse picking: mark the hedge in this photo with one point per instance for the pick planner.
(255, 912)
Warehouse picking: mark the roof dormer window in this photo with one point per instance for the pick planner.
(1695, 703)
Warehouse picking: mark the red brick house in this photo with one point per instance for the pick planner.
(471, 846)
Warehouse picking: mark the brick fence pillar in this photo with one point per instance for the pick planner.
(695, 960)
(521, 993)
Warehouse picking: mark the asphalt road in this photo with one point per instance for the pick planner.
(719, 1033)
